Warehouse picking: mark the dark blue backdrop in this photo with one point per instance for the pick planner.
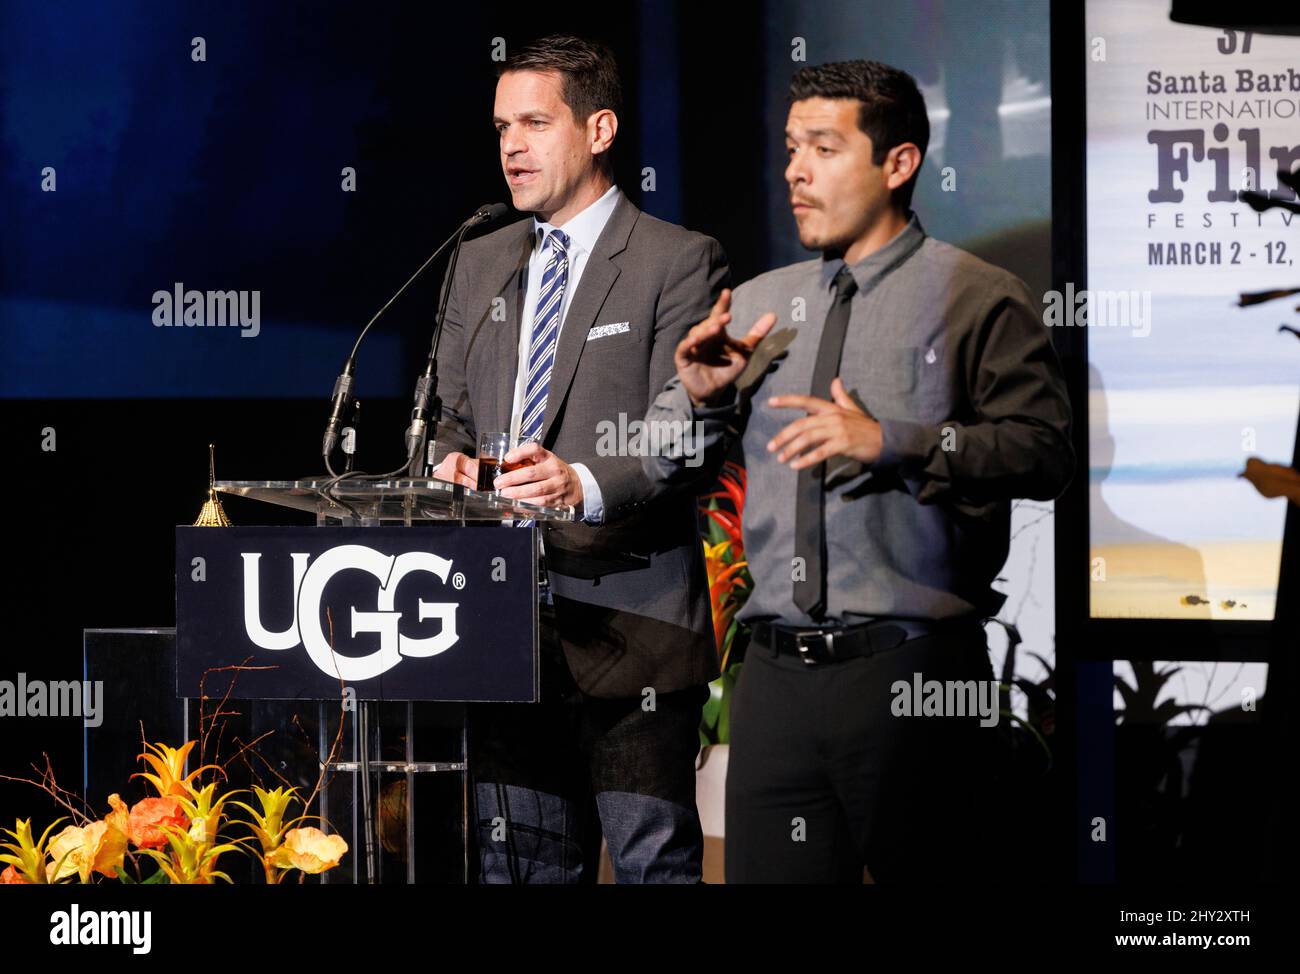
(226, 174)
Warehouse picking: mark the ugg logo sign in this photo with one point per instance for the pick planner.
(309, 583)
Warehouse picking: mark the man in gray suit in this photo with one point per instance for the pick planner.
(561, 329)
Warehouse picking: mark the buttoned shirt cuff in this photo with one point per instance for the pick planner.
(593, 506)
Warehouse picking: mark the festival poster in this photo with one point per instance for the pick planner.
(1185, 385)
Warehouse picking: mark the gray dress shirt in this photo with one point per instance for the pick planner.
(950, 355)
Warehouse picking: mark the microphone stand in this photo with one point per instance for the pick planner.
(426, 414)
(427, 402)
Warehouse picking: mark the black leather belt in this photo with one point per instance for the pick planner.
(828, 644)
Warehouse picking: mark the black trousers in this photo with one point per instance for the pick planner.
(823, 779)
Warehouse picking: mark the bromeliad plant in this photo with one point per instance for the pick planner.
(27, 858)
(729, 586)
(192, 840)
(181, 828)
(169, 778)
(285, 847)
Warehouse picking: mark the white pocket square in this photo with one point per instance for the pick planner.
(601, 331)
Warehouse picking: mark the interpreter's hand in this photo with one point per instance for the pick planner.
(838, 428)
(709, 360)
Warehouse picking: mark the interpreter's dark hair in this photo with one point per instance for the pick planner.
(892, 107)
(590, 73)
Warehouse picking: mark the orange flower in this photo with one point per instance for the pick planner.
(104, 849)
(120, 817)
(106, 840)
(98, 847)
(109, 849)
(148, 815)
(310, 850)
(12, 877)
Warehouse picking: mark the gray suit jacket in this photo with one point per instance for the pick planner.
(631, 595)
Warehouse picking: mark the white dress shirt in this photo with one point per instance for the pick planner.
(583, 231)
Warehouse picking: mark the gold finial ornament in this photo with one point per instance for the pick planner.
(213, 514)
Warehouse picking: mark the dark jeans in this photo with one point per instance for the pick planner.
(551, 777)
(824, 779)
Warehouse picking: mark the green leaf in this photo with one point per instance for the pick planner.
(712, 709)
(715, 532)
(730, 636)
(125, 877)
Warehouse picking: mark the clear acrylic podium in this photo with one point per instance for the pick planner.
(391, 501)
(396, 740)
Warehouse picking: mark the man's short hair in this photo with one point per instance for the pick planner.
(892, 110)
(590, 73)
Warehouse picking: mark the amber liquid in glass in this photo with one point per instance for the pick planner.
(489, 468)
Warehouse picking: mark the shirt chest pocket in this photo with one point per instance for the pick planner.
(907, 382)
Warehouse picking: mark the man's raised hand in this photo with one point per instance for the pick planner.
(709, 360)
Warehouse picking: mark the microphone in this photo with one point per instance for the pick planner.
(341, 398)
(426, 411)
(489, 212)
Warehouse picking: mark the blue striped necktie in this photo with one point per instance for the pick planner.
(546, 333)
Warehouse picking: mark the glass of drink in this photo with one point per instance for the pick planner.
(492, 450)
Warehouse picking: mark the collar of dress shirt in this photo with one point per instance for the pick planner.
(875, 266)
(584, 229)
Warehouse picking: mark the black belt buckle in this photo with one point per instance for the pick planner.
(816, 646)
